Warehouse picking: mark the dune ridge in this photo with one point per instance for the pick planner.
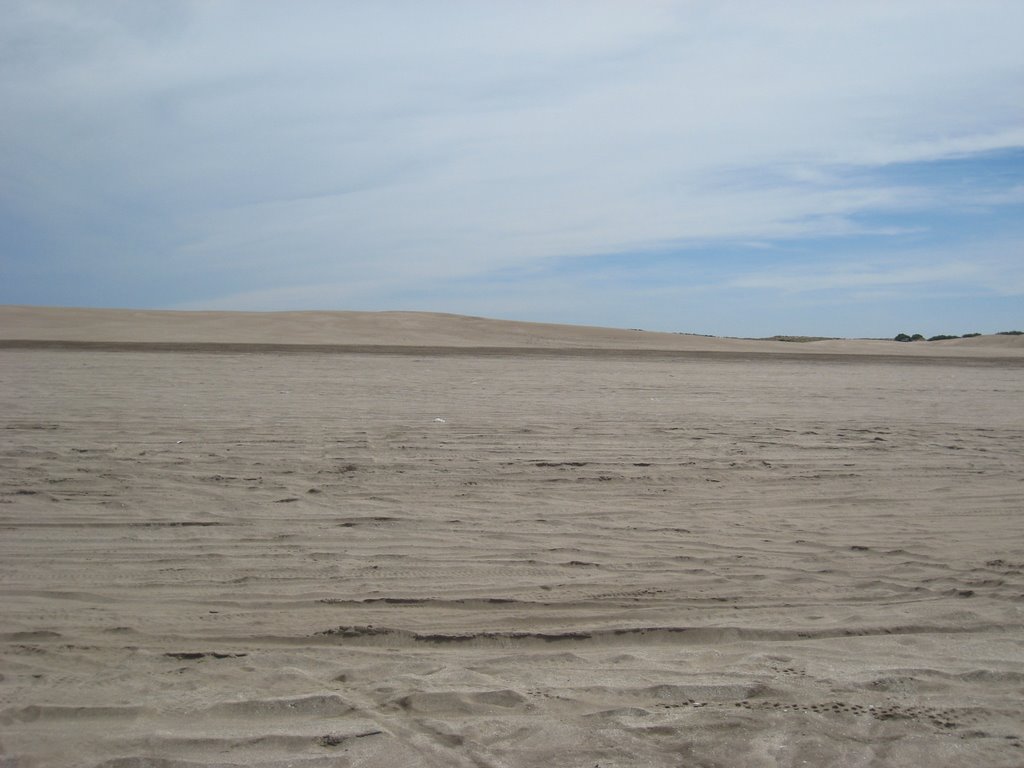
(407, 332)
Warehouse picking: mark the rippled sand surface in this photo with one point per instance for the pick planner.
(445, 559)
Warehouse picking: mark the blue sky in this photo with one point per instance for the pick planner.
(734, 168)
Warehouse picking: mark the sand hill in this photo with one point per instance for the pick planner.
(423, 329)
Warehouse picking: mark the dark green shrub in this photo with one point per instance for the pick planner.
(942, 337)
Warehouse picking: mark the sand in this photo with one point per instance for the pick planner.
(477, 555)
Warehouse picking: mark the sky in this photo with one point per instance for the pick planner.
(730, 167)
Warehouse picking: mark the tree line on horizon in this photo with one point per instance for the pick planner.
(943, 337)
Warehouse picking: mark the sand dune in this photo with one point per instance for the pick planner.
(423, 329)
(438, 559)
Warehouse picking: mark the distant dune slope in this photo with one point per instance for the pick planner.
(414, 329)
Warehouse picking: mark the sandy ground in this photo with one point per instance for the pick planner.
(439, 559)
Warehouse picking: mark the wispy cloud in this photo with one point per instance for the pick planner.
(847, 277)
(991, 268)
